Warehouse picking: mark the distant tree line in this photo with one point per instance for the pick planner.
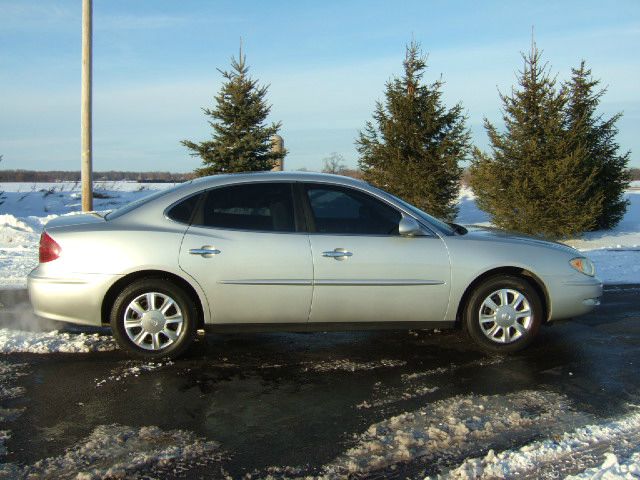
(74, 176)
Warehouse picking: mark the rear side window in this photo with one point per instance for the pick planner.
(255, 206)
(347, 211)
(183, 211)
(141, 201)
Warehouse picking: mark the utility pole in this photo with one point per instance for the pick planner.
(85, 113)
(277, 146)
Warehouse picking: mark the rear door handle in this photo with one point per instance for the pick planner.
(206, 251)
(338, 254)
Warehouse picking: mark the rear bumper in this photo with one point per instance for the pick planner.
(574, 296)
(75, 300)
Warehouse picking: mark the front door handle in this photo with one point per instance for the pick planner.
(338, 254)
(206, 251)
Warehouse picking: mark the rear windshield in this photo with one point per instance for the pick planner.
(141, 201)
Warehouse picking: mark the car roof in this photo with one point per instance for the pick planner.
(203, 183)
(230, 178)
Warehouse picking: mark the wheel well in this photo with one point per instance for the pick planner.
(117, 287)
(536, 283)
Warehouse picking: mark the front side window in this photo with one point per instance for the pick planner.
(346, 211)
(254, 206)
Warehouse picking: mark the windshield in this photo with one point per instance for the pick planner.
(441, 226)
(141, 201)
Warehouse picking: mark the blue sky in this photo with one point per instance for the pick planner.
(326, 63)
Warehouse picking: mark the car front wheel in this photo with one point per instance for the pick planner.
(503, 314)
(154, 318)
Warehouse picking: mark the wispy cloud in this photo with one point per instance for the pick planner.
(21, 15)
(158, 21)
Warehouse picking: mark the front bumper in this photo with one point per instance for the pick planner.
(75, 300)
(573, 296)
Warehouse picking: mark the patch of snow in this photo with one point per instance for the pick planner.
(406, 394)
(9, 373)
(612, 469)
(351, 366)
(27, 207)
(482, 362)
(18, 341)
(616, 266)
(133, 369)
(116, 451)
(457, 426)
(468, 211)
(577, 452)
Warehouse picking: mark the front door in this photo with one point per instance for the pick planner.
(249, 256)
(364, 271)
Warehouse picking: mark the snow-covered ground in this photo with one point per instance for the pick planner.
(26, 207)
(118, 451)
(573, 444)
(603, 451)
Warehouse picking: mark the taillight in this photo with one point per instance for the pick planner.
(49, 249)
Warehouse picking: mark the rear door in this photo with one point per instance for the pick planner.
(364, 271)
(250, 255)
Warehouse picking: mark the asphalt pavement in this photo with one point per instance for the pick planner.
(302, 399)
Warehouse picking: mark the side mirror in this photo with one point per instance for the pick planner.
(408, 227)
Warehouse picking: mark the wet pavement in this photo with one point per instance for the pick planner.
(285, 399)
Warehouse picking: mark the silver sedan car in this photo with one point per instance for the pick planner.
(298, 251)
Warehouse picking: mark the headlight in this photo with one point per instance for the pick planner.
(583, 265)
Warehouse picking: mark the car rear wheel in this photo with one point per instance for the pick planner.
(154, 318)
(503, 314)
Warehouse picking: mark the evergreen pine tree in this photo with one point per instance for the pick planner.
(241, 141)
(591, 132)
(536, 179)
(413, 146)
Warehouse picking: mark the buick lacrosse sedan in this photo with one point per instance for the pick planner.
(295, 251)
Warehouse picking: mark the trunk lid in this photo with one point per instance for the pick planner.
(77, 219)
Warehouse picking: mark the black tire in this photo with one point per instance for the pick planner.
(184, 306)
(480, 332)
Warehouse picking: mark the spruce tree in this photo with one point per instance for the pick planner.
(537, 179)
(414, 143)
(241, 139)
(597, 135)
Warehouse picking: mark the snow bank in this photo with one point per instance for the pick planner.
(578, 452)
(116, 451)
(457, 426)
(454, 428)
(412, 383)
(612, 469)
(18, 341)
(25, 208)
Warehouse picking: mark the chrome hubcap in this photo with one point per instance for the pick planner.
(153, 321)
(505, 316)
